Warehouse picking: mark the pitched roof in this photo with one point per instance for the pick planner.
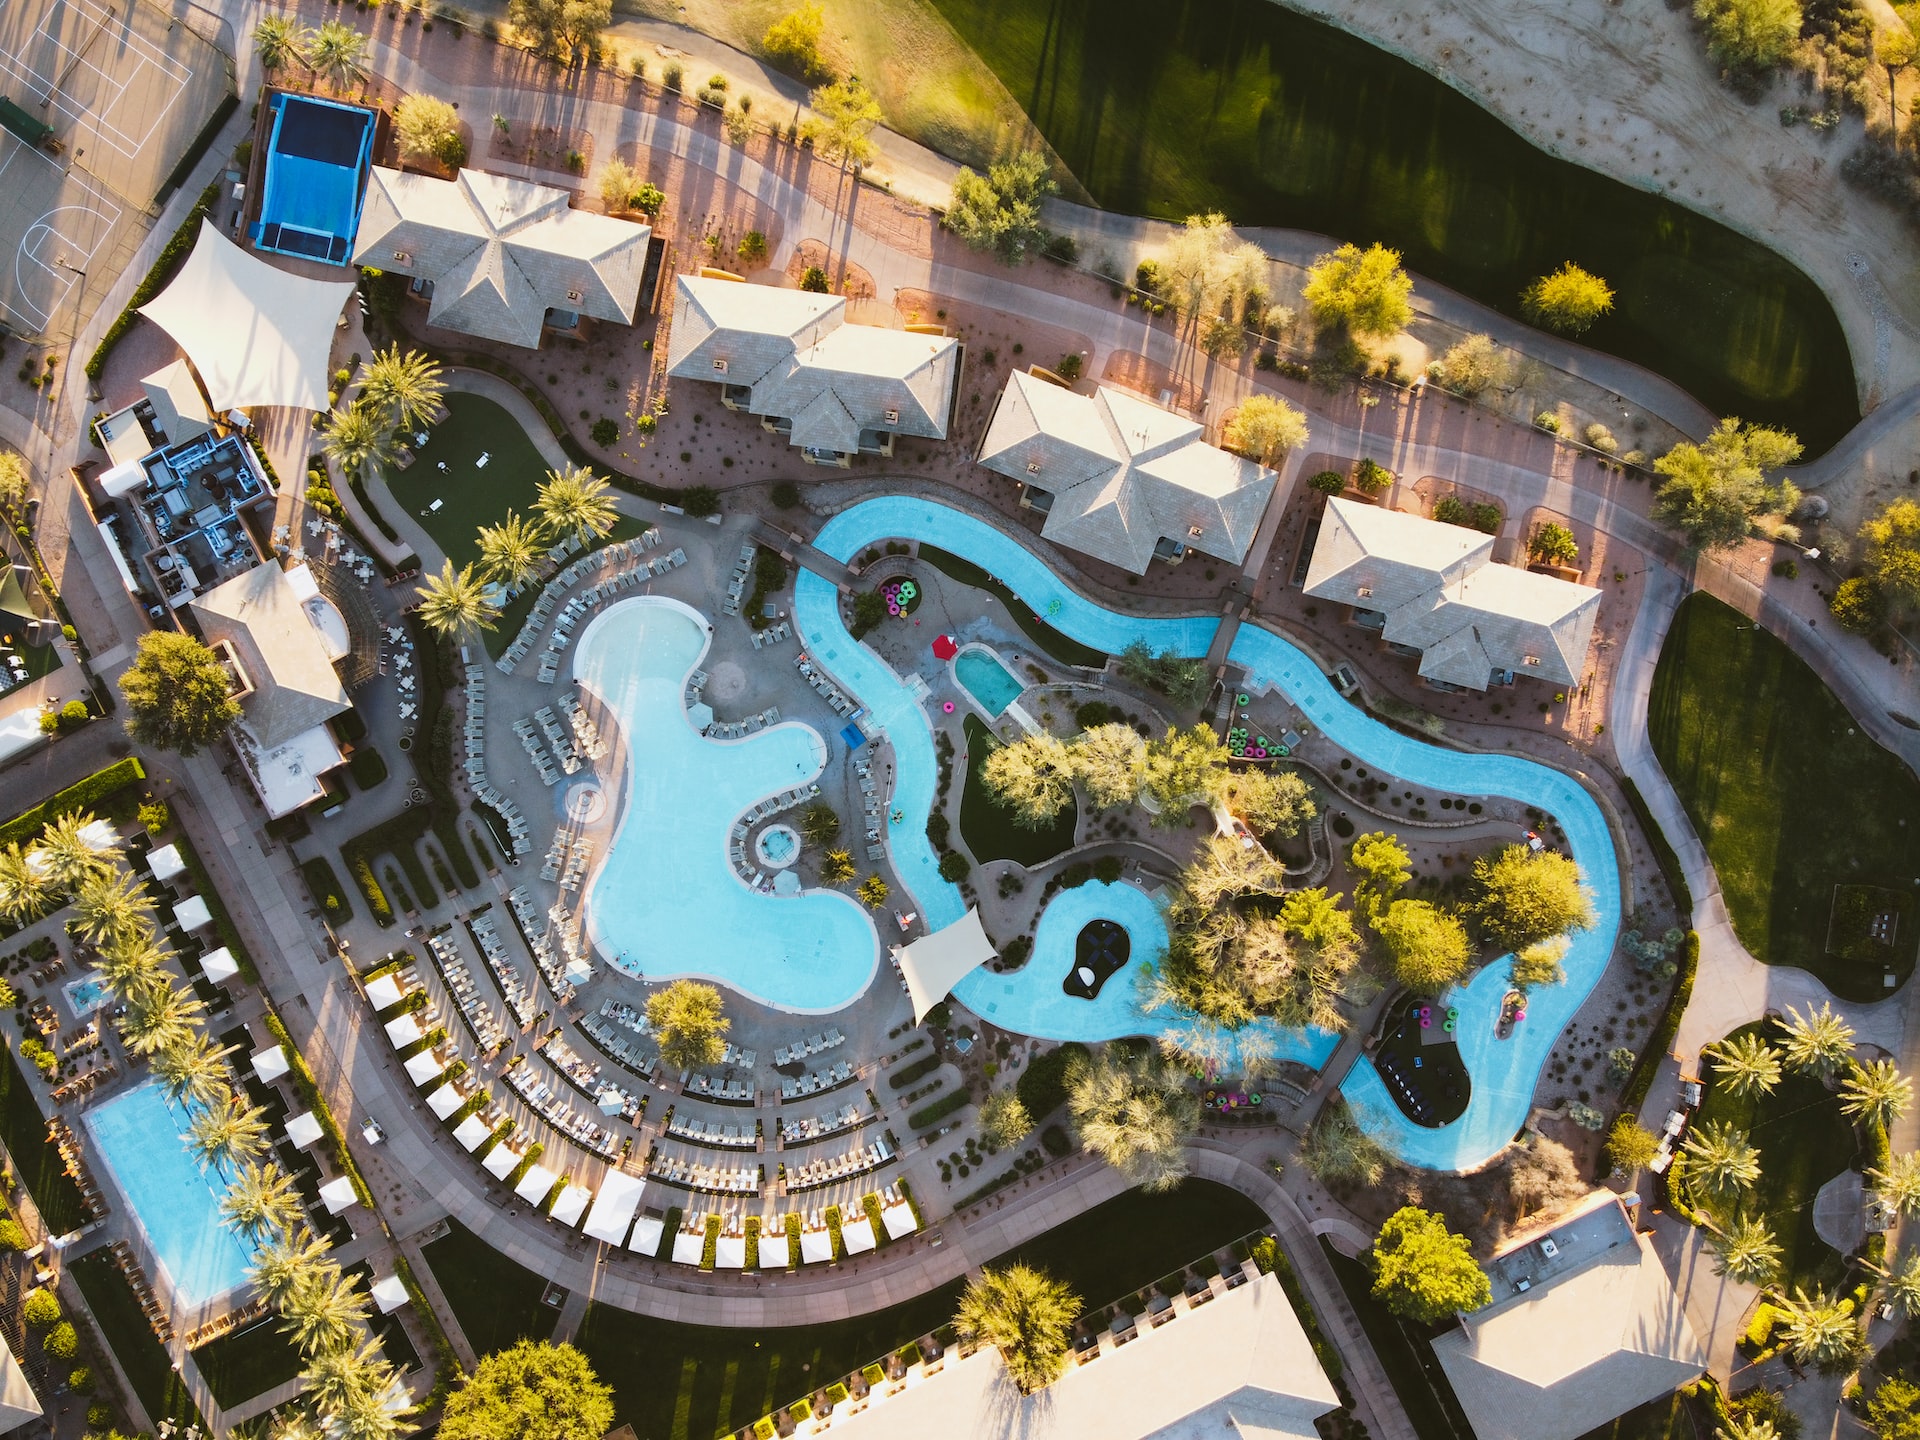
(1581, 1345)
(18, 1403)
(294, 684)
(178, 406)
(500, 251)
(1124, 473)
(748, 329)
(895, 380)
(1237, 1364)
(1441, 594)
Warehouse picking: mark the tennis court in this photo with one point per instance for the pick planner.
(318, 152)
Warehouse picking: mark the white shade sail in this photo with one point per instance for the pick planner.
(858, 1235)
(470, 1132)
(403, 1031)
(774, 1253)
(444, 1101)
(304, 1130)
(571, 1205)
(192, 914)
(730, 1252)
(535, 1184)
(646, 1235)
(688, 1247)
(258, 335)
(390, 1294)
(935, 963)
(270, 1064)
(338, 1195)
(815, 1246)
(898, 1218)
(613, 1207)
(500, 1161)
(424, 1067)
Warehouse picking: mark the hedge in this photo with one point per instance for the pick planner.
(171, 259)
(367, 767)
(476, 1102)
(939, 1110)
(753, 1242)
(833, 1232)
(913, 1072)
(1663, 852)
(397, 837)
(1635, 1095)
(376, 898)
(447, 1367)
(710, 1243)
(870, 1202)
(308, 1089)
(669, 1227)
(91, 791)
(324, 886)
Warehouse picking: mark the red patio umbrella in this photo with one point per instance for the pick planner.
(944, 648)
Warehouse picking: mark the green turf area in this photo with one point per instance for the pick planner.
(1168, 107)
(131, 1338)
(1406, 1354)
(246, 1363)
(1066, 651)
(24, 1128)
(1789, 797)
(1662, 1419)
(988, 827)
(1804, 1141)
(687, 1382)
(470, 495)
(495, 1300)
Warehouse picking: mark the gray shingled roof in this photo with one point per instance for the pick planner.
(1124, 473)
(748, 329)
(295, 686)
(1442, 595)
(500, 252)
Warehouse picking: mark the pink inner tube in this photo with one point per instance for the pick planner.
(948, 707)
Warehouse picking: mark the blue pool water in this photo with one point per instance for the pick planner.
(982, 676)
(143, 1139)
(87, 994)
(318, 155)
(1503, 1072)
(667, 901)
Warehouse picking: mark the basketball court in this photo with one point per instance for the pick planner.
(125, 86)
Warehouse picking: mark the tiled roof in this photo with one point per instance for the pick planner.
(295, 686)
(748, 329)
(1392, 556)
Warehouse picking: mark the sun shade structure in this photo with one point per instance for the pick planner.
(571, 1205)
(857, 1235)
(471, 1131)
(270, 1064)
(220, 965)
(898, 1218)
(192, 914)
(403, 1031)
(424, 1067)
(773, 1251)
(500, 1161)
(166, 864)
(304, 1130)
(688, 1247)
(730, 1252)
(338, 1195)
(18, 1403)
(646, 1235)
(613, 1207)
(383, 992)
(257, 334)
(390, 1294)
(935, 963)
(444, 1101)
(535, 1184)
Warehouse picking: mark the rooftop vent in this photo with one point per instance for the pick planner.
(1194, 532)
(1531, 660)
(402, 257)
(893, 417)
(1033, 467)
(574, 297)
(719, 367)
(1364, 592)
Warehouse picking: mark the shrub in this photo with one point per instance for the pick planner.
(1372, 477)
(1548, 421)
(899, 1080)
(701, 501)
(62, 1342)
(367, 767)
(155, 816)
(605, 432)
(786, 495)
(81, 1382)
(1328, 482)
(90, 793)
(955, 867)
(931, 1114)
(1055, 1141)
(324, 885)
(1042, 1086)
(13, 1235)
(815, 280)
(41, 1310)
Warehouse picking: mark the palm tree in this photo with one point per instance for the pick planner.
(1721, 1161)
(227, 1133)
(1820, 1328)
(261, 1201)
(1819, 1042)
(159, 1016)
(195, 1072)
(1136, 1115)
(511, 552)
(1746, 1427)
(373, 1412)
(356, 437)
(133, 963)
(456, 601)
(576, 503)
(336, 1378)
(1746, 1251)
(324, 1312)
(407, 387)
(1027, 1315)
(338, 52)
(280, 41)
(288, 1262)
(1876, 1092)
(26, 889)
(111, 906)
(1899, 1184)
(70, 853)
(1745, 1064)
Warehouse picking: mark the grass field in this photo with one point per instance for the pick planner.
(1804, 1141)
(1168, 107)
(495, 1300)
(1788, 797)
(988, 827)
(470, 496)
(24, 1128)
(688, 1382)
(141, 1355)
(246, 1363)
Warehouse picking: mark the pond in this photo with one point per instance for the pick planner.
(1168, 107)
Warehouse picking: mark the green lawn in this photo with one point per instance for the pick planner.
(1789, 798)
(1060, 647)
(246, 1363)
(132, 1340)
(688, 1382)
(988, 827)
(1405, 1354)
(1170, 107)
(495, 1300)
(24, 1128)
(1804, 1141)
(470, 495)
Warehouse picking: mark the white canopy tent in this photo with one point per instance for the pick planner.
(571, 1205)
(304, 1130)
(444, 1101)
(424, 1067)
(730, 1252)
(774, 1253)
(646, 1235)
(383, 991)
(858, 1235)
(403, 1030)
(338, 1195)
(613, 1207)
(220, 965)
(898, 1218)
(688, 1247)
(390, 1294)
(167, 864)
(470, 1132)
(535, 1184)
(257, 334)
(935, 963)
(815, 1246)
(192, 914)
(270, 1064)
(500, 1161)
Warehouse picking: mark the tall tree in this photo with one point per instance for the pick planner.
(1136, 1115)
(337, 1381)
(1714, 489)
(71, 850)
(1891, 542)
(1475, 365)
(1032, 778)
(534, 1391)
(1900, 1281)
(159, 1016)
(574, 503)
(1749, 36)
(1745, 1064)
(1427, 946)
(1265, 428)
(404, 390)
(1746, 1251)
(1184, 768)
(179, 693)
(339, 53)
(1893, 1413)
(1271, 802)
(1818, 1043)
(1821, 1329)
(1004, 1121)
(280, 41)
(1380, 866)
(1000, 211)
(1876, 1092)
(1524, 896)
(288, 1262)
(1425, 1272)
(568, 29)
(358, 435)
(1338, 1150)
(429, 128)
(1899, 1183)
(845, 115)
(457, 601)
(1111, 763)
(1539, 963)
(1568, 300)
(1364, 290)
(132, 963)
(1894, 49)
(792, 43)
(1027, 1315)
(688, 1024)
(1720, 1161)
(511, 552)
(324, 1311)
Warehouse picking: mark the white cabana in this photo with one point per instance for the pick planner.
(166, 864)
(858, 1235)
(192, 914)
(613, 1207)
(470, 1132)
(338, 1195)
(688, 1246)
(730, 1252)
(390, 1294)
(100, 835)
(500, 1161)
(257, 334)
(935, 963)
(578, 971)
(404, 1030)
(384, 992)
(571, 1205)
(220, 965)
(424, 1067)
(270, 1064)
(611, 1101)
(774, 1252)
(815, 1246)
(535, 1184)
(898, 1218)
(646, 1235)
(444, 1101)
(304, 1130)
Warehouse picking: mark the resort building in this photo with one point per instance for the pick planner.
(1236, 1363)
(281, 638)
(1121, 479)
(18, 1403)
(170, 411)
(1583, 1326)
(833, 388)
(1433, 589)
(499, 258)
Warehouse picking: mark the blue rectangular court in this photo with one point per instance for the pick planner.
(318, 155)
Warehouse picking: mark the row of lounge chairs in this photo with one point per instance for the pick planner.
(558, 1112)
(584, 730)
(817, 1082)
(616, 556)
(519, 995)
(830, 1168)
(703, 1132)
(837, 700)
(801, 1129)
(734, 729)
(737, 582)
(518, 835)
(772, 635)
(812, 1045)
(488, 1033)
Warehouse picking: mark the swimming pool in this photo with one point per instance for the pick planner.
(986, 679)
(87, 994)
(666, 902)
(318, 156)
(142, 1137)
